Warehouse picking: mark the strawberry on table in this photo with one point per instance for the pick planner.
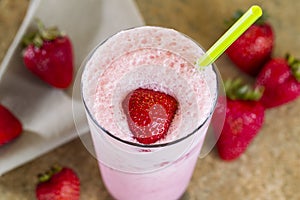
(49, 55)
(244, 119)
(10, 126)
(58, 184)
(281, 79)
(149, 114)
(253, 48)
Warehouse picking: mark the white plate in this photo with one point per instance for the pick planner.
(46, 112)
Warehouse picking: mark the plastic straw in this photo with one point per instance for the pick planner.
(233, 33)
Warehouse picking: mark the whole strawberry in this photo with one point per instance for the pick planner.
(49, 55)
(253, 48)
(149, 114)
(10, 126)
(58, 184)
(281, 79)
(244, 119)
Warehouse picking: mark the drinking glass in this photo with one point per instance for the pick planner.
(129, 169)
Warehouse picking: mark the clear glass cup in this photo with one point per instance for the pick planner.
(140, 57)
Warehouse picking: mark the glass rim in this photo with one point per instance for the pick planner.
(140, 145)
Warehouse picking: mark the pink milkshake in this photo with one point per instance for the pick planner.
(161, 60)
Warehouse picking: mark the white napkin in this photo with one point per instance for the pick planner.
(46, 112)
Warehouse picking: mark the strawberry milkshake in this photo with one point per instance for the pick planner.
(148, 108)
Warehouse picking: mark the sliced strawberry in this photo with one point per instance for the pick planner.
(58, 184)
(10, 126)
(149, 114)
(281, 80)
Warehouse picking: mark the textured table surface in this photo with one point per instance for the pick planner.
(270, 169)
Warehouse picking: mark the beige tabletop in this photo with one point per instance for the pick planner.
(269, 169)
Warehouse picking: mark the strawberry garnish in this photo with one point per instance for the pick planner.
(281, 79)
(58, 184)
(10, 126)
(244, 119)
(49, 55)
(149, 114)
(253, 48)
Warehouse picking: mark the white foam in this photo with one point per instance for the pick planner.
(128, 61)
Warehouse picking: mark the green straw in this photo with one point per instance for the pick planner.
(235, 31)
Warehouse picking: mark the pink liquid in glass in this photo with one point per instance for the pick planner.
(158, 59)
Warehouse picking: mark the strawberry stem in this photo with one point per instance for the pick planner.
(295, 65)
(44, 177)
(37, 41)
(42, 34)
(237, 90)
(47, 33)
(239, 13)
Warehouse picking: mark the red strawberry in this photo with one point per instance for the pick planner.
(281, 80)
(49, 55)
(58, 184)
(10, 126)
(253, 48)
(149, 114)
(244, 118)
